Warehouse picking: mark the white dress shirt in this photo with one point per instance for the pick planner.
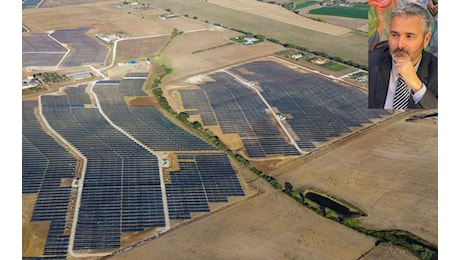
(392, 88)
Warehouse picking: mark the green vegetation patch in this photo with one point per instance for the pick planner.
(355, 11)
(359, 75)
(305, 4)
(333, 66)
(212, 48)
(315, 59)
(248, 39)
(162, 62)
(52, 77)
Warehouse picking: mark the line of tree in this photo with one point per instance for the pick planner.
(412, 243)
(416, 245)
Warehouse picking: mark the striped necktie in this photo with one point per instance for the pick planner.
(401, 98)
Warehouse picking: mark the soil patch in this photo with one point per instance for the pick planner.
(142, 101)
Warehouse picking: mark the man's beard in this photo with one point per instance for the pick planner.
(399, 52)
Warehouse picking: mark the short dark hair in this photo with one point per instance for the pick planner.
(411, 9)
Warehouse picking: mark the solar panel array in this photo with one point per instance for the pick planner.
(41, 42)
(145, 123)
(122, 191)
(202, 179)
(132, 87)
(238, 110)
(30, 3)
(196, 103)
(77, 96)
(118, 171)
(39, 59)
(85, 50)
(121, 187)
(38, 49)
(319, 108)
(136, 75)
(45, 163)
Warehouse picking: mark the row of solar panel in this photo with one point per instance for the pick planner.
(142, 207)
(320, 109)
(85, 49)
(146, 123)
(100, 205)
(44, 164)
(132, 87)
(30, 3)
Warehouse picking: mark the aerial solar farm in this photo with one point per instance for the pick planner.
(111, 172)
(44, 50)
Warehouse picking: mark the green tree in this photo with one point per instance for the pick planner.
(287, 187)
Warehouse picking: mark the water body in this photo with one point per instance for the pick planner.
(328, 203)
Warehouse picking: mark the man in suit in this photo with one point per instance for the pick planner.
(403, 66)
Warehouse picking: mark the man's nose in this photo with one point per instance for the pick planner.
(401, 43)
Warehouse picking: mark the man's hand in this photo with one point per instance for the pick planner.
(406, 70)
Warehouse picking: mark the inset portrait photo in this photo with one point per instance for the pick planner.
(403, 62)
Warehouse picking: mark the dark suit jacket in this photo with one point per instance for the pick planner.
(379, 77)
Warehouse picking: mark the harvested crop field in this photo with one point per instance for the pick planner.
(280, 14)
(263, 18)
(103, 17)
(141, 48)
(396, 189)
(202, 51)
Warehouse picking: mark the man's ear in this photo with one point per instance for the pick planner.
(426, 39)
